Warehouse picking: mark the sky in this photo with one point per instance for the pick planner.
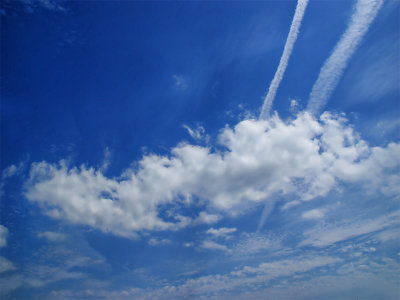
(200, 150)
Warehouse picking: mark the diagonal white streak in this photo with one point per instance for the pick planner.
(329, 76)
(291, 39)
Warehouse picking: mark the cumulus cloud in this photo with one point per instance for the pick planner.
(253, 162)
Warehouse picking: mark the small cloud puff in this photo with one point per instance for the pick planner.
(13, 170)
(313, 214)
(198, 133)
(52, 236)
(179, 82)
(211, 245)
(158, 242)
(221, 232)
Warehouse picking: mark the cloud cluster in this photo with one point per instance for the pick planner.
(254, 161)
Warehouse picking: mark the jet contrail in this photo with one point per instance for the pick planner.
(329, 76)
(291, 39)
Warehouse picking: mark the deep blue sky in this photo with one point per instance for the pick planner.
(134, 165)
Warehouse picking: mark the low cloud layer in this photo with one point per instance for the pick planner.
(253, 162)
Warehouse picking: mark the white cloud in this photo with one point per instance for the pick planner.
(3, 236)
(198, 133)
(251, 244)
(333, 68)
(52, 236)
(159, 242)
(13, 170)
(223, 231)
(258, 159)
(211, 245)
(206, 218)
(6, 265)
(284, 61)
(328, 235)
(313, 214)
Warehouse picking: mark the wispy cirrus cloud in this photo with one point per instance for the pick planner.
(333, 68)
(284, 61)
(3, 236)
(328, 235)
(52, 236)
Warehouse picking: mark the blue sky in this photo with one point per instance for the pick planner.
(145, 153)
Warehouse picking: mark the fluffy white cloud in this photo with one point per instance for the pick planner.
(254, 160)
(198, 133)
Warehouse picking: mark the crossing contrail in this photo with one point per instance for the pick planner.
(329, 76)
(291, 39)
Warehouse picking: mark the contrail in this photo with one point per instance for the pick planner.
(329, 76)
(291, 39)
(269, 206)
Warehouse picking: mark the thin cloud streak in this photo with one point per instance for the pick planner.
(291, 39)
(331, 72)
